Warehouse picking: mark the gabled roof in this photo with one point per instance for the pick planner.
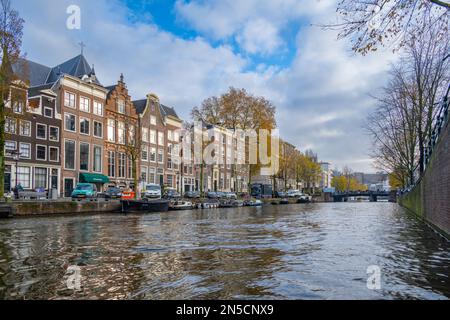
(39, 74)
(140, 105)
(168, 111)
(36, 91)
(76, 67)
(165, 111)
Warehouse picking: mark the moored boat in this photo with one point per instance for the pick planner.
(180, 205)
(253, 203)
(144, 206)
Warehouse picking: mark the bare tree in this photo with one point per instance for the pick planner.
(373, 23)
(11, 26)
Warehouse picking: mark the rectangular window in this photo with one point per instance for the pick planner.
(41, 153)
(161, 138)
(48, 112)
(10, 125)
(161, 156)
(121, 106)
(145, 154)
(131, 135)
(130, 168)
(111, 130)
(121, 132)
(25, 150)
(176, 136)
(151, 175)
(170, 180)
(111, 164)
(69, 100)
(18, 106)
(40, 178)
(53, 154)
(24, 177)
(98, 108)
(70, 122)
(153, 154)
(69, 154)
(85, 104)
(97, 159)
(98, 129)
(153, 136)
(25, 128)
(85, 125)
(54, 134)
(10, 148)
(170, 135)
(41, 131)
(153, 120)
(145, 134)
(144, 173)
(122, 165)
(84, 156)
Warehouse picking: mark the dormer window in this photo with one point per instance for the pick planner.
(121, 106)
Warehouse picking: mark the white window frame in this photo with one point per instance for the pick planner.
(15, 148)
(74, 155)
(51, 110)
(49, 158)
(89, 104)
(93, 129)
(79, 124)
(70, 114)
(46, 128)
(156, 154)
(114, 139)
(74, 100)
(155, 137)
(95, 108)
(93, 158)
(145, 134)
(119, 103)
(46, 150)
(144, 149)
(20, 128)
(20, 154)
(153, 120)
(49, 135)
(89, 156)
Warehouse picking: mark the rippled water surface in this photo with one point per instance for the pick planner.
(317, 251)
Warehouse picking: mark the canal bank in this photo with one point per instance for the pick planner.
(50, 208)
(430, 197)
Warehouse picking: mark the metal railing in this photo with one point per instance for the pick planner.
(439, 123)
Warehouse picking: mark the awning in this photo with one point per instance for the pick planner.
(93, 178)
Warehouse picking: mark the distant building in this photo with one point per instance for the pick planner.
(327, 175)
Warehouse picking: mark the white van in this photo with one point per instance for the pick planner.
(152, 191)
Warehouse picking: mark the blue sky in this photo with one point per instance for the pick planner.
(187, 50)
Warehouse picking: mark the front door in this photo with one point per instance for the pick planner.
(68, 187)
(161, 180)
(7, 182)
(54, 179)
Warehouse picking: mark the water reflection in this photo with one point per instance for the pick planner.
(318, 251)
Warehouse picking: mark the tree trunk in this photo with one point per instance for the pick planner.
(135, 177)
(2, 148)
(201, 181)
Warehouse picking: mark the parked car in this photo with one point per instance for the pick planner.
(231, 195)
(113, 193)
(212, 195)
(192, 195)
(84, 191)
(294, 194)
(280, 194)
(172, 194)
(221, 195)
(152, 191)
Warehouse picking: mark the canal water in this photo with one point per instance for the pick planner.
(316, 251)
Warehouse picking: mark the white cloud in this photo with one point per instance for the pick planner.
(321, 97)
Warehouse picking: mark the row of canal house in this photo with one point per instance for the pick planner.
(64, 127)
